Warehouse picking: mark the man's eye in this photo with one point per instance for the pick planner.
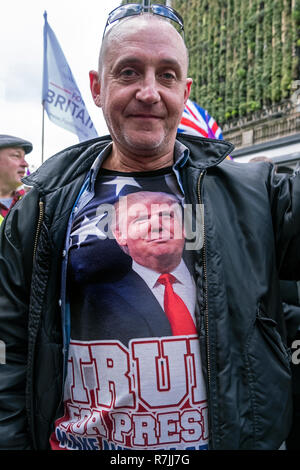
(169, 215)
(141, 219)
(169, 76)
(128, 73)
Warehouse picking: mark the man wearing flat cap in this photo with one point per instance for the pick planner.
(12, 168)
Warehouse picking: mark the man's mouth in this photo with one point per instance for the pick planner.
(145, 116)
(159, 240)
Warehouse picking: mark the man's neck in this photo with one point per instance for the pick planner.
(6, 193)
(162, 265)
(153, 273)
(119, 161)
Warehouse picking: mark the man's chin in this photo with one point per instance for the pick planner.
(162, 252)
(145, 143)
(165, 262)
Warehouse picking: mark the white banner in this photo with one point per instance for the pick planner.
(61, 97)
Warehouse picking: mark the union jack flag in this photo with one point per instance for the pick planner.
(196, 121)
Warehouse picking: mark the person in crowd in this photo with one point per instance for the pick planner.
(281, 170)
(261, 158)
(70, 382)
(12, 169)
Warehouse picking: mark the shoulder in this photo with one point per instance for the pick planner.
(64, 167)
(255, 175)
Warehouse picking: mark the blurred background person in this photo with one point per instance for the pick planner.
(13, 167)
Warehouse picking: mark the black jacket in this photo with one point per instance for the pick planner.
(251, 232)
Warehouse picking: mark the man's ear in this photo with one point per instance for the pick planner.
(120, 238)
(95, 87)
(187, 92)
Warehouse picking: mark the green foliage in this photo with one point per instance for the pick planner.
(244, 54)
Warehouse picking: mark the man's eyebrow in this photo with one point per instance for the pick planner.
(170, 62)
(125, 61)
(166, 62)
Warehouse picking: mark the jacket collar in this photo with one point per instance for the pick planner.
(65, 166)
(203, 152)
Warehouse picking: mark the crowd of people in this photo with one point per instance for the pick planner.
(120, 334)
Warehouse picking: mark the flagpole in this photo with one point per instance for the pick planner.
(146, 5)
(43, 131)
(45, 77)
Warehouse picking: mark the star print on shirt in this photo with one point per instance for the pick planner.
(89, 227)
(121, 181)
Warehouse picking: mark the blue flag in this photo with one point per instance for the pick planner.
(61, 97)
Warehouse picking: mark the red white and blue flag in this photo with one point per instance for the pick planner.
(197, 121)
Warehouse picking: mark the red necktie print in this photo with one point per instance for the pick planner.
(175, 309)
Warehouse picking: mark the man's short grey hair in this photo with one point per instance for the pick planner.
(113, 33)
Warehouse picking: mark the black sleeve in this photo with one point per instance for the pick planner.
(285, 197)
(16, 247)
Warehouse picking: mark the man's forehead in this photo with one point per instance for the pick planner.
(142, 22)
(134, 60)
(12, 150)
(146, 28)
(148, 198)
(151, 208)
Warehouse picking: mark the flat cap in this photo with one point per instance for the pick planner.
(11, 141)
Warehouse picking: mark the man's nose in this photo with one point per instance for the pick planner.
(24, 162)
(155, 224)
(148, 91)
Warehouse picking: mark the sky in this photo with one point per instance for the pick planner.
(78, 27)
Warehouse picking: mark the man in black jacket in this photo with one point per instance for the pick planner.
(12, 168)
(226, 387)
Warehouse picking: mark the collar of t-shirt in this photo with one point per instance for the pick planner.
(185, 287)
(181, 154)
(6, 202)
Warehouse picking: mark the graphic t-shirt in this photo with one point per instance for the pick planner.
(6, 202)
(134, 378)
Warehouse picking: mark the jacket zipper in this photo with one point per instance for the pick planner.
(205, 279)
(37, 234)
(38, 229)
